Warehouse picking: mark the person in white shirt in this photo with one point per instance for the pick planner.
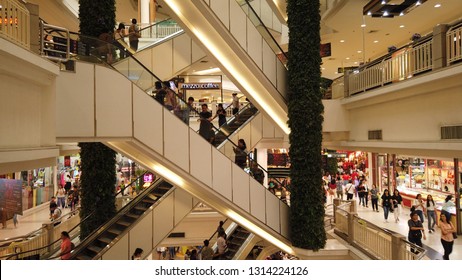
(221, 246)
(235, 103)
(350, 190)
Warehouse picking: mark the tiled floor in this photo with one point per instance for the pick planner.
(433, 240)
(35, 220)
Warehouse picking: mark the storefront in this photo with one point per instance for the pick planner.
(37, 187)
(412, 176)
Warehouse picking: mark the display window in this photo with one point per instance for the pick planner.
(413, 176)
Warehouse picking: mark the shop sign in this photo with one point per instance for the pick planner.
(198, 86)
(148, 178)
(67, 161)
(11, 195)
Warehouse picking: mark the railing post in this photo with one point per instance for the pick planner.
(439, 54)
(353, 207)
(346, 84)
(337, 202)
(34, 30)
(49, 234)
(397, 247)
(351, 231)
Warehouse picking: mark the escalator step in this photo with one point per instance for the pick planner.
(132, 216)
(94, 248)
(141, 208)
(123, 223)
(114, 231)
(105, 240)
(83, 257)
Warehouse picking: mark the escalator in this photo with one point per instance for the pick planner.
(93, 246)
(234, 123)
(225, 30)
(235, 241)
(113, 108)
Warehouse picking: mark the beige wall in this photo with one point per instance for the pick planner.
(27, 108)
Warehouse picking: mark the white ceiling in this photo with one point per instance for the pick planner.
(341, 22)
(345, 21)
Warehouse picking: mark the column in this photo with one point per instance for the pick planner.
(144, 12)
(439, 46)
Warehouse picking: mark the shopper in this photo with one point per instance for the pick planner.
(447, 207)
(350, 190)
(66, 246)
(207, 252)
(221, 113)
(257, 173)
(221, 246)
(134, 35)
(386, 204)
(447, 237)
(416, 230)
(240, 153)
(205, 127)
(119, 36)
(431, 214)
(396, 199)
(339, 188)
(419, 207)
(374, 198)
(160, 92)
(61, 195)
(137, 254)
(235, 103)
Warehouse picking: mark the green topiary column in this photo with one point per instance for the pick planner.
(305, 122)
(96, 17)
(98, 161)
(97, 185)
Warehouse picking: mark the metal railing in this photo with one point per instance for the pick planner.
(160, 29)
(376, 242)
(454, 44)
(401, 65)
(15, 22)
(54, 42)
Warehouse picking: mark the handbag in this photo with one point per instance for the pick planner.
(454, 235)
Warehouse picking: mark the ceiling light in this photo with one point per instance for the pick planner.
(347, 58)
(418, 3)
(363, 25)
(335, 72)
(401, 14)
(384, 2)
(376, 41)
(356, 62)
(359, 51)
(437, 5)
(401, 26)
(385, 14)
(369, 13)
(342, 41)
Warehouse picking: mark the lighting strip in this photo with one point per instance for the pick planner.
(258, 231)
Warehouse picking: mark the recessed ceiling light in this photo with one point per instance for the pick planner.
(342, 41)
(369, 13)
(401, 14)
(384, 2)
(336, 72)
(359, 51)
(363, 25)
(437, 5)
(356, 62)
(418, 3)
(401, 26)
(323, 68)
(385, 14)
(376, 41)
(347, 58)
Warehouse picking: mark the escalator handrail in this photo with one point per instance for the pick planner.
(267, 31)
(82, 245)
(73, 228)
(176, 94)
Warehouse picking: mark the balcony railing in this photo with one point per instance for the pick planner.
(15, 22)
(403, 64)
(454, 44)
(376, 242)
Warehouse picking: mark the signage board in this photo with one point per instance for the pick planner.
(11, 195)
